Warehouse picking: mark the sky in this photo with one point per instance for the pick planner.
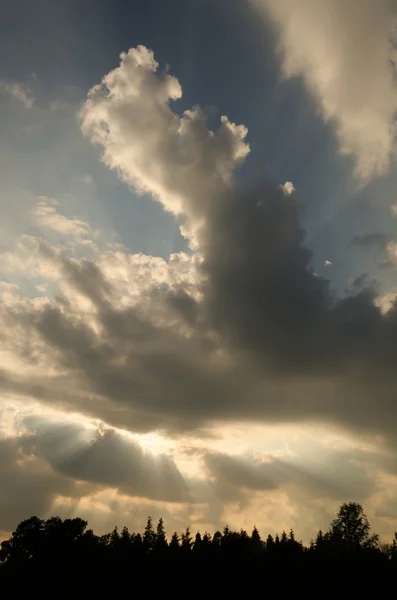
(198, 255)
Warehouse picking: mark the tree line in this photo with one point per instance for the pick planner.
(64, 558)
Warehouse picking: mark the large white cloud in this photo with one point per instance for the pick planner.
(175, 158)
(344, 51)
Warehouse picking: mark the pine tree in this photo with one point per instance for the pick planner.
(198, 543)
(114, 537)
(226, 538)
(319, 544)
(186, 540)
(138, 547)
(174, 543)
(125, 537)
(125, 541)
(217, 539)
(207, 538)
(149, 536)
(206, 543)
(270, 543)
(256, 542)
(161, 540)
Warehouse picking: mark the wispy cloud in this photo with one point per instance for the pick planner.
(19, 91)
(47, 217)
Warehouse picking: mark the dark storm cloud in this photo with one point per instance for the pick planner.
(264, 298)
(262, 294)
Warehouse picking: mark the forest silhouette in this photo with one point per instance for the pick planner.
(63, 559)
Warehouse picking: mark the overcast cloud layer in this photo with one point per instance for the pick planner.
(134, 384)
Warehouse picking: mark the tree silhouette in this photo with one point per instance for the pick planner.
(125, 538)
(198, 543)
(186, 541)
(40, 556)
(256, 542)
(350, 530)
(114, 538)
(175, 543)
(217, 539)
(319, 544)
(270, 543)
(149, 536)
(160, 539)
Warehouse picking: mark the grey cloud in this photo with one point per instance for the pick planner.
(28, 485)
(239, 472)
(268, 340)
(387, 264)
(109, 459)
(336, 476)
(283, 333)
(264, 298)
(377, 241)
(53, 461)
(264, 338)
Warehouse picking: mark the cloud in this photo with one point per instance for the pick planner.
(107, 458)
(379, 241)
(144, 343)
(176, 158)
(365, 240)
(288, 187)
(19, 91)
(345, 53)
(239, 330)
(52, 463)
(320, 476)
(28, 485)
(47, 217)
